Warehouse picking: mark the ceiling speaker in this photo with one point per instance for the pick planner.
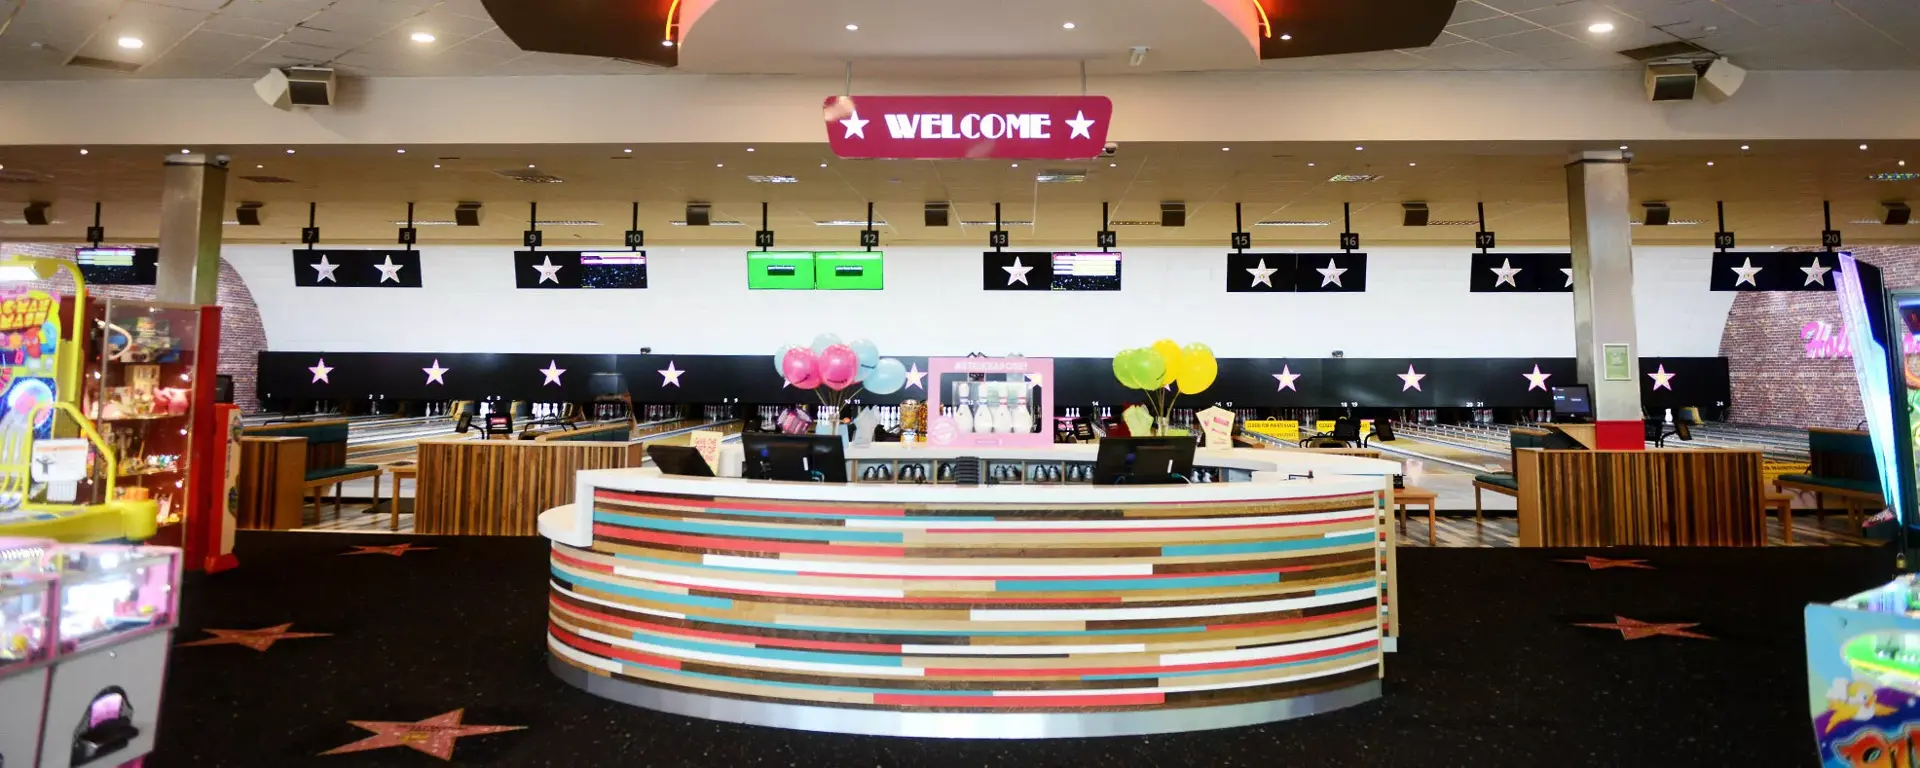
(1721, 80)
(1413, 214)
(1173, 213)
(38, 213)
(273, 90)
(699, 214)
(1671, 82)
(248, 214)
(1658, 214)
(938, 214)
(467, 214)
(292, 87)
(1898, 214)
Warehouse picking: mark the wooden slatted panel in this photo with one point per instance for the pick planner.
(500, 487)
(1642, 498)
(271, 472)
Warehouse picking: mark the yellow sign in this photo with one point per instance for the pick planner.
(25, 310)
(1286, 431)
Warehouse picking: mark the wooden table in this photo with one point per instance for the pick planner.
(1783, 504)
(1412, 495)
(401, 469)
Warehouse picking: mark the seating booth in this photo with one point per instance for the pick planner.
(282, 465)
(1840, 465)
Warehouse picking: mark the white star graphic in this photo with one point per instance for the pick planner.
(549, 271)
(1287, 377)
(1331, 274)
(1746, 271)
(1080, 124)
(389, 270)
(1536, 380)
(1033, 379)
(436, 374)
(1018, 272)
(916, 377)
(1662, 379)
(552, 373)
(855, 126)
(1410, 380)
(1504, 274)
(323, 271)
(671, 376)
(1816, 274)
(1262, 274)
(320, 371)
(1569, 273)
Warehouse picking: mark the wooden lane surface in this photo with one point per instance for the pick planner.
(1640, 498)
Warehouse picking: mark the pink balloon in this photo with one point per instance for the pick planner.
(801, 370)
(839, 367)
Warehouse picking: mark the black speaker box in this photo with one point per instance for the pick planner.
(467, 214)
(1413, 214)
(699, 215)
(938, 214)
(1173, 214)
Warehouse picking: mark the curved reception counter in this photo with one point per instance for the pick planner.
(995, 611)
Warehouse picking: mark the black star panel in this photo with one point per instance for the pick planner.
(546, 269)
(1520, 272)
(1260, 272)
(1331, 273)
(1774, 271)
(356, 269)
(1016, 271)
(1556, 273)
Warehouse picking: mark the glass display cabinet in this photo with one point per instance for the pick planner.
(108, 590)
(26, 618)
(139, 391)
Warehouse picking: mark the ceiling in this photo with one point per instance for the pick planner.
(241, 38)
(1773, 192)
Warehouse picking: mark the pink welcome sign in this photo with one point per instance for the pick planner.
(994, 382)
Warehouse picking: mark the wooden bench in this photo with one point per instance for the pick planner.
(1841, 464)
(325, 461)
(1504, 483)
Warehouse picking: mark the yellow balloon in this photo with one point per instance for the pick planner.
(1176, 361)
(1200, 370)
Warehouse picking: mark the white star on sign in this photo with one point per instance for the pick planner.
(1017, 273)
(549, 271)
(1569, 271)
(916, 377)
(1504, 274)
(1662, 379)
(1330, 275)
(1746, 271)
(436, 374)
(323, 271)
(1816, 274)
(855, 126)
(1287, 377)
(1080, 124)
(552, 373)
(1262, 274)
(389, 270)
(671, 376)
(1536, 380)
(1410, 380)
(320, 371)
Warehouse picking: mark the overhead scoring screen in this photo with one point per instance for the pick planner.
(1086, 271)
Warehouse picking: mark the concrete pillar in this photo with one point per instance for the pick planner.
(192, 206)
(1607, 345)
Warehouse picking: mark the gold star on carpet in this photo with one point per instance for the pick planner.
(395, 550)
(1635, 629)
(1603, 563)
(435, 735)
(257, 639)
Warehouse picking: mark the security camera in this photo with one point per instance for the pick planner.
(1110, 149)
(222, 160)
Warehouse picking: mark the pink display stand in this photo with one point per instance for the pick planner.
(1033, 373)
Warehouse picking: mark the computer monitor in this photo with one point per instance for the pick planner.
(679, 460)
(1572, 400)
(1144, 460)
(803, 458)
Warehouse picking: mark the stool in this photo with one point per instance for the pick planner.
(1782, 504)
(1411, 495)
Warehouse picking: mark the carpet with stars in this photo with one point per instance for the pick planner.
(435, 656)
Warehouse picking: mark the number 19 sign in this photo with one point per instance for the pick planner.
(968, 127)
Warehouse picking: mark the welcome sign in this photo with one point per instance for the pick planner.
(968, 127)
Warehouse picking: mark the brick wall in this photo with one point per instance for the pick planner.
(1774, 382)
(242, 337)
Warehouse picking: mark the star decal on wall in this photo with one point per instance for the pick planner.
(1635, 629)
(916, 377)
(1287, 377)
(1330, 275)
(1816, 274)
(1662, 379)
(1505, 274)
(395, 550)
(671, 376)
(551, 373)
(257, 639)
(320, 372)
(1602, 563)
(1536, 380)
(855, 126)
(389, 270)
(1262, 274)
(1568, 271)
(1747, 272)
(549, 271)
(1410, 379)
(323, 271)
(1080, 125)
(436, 374)
(435, 735)
(1017, 273)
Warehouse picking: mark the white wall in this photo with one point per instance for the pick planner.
(1416, 305)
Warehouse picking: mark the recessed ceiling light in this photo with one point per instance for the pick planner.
(823, 165)
(423, 37)
(1113, 165)
(719, 165)
(259, 166)
(1016, 165)
(1745, 147)
(1410, 165)
(1286, 37)
(628, 151)
(1309, 165)
(529, 165)
(400, 151)
(1623, 146)
(1359, 149)
(186, 151)
(1068, 25)
(132, 43)
(749, 149)
(667, 43)
(1709, 163)
(853, 27)
(1863, 147)
(83, 151)
(436, 165)
(1226, 149)
(1600, 27)
(289, 151)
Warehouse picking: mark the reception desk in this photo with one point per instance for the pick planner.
(997, 611)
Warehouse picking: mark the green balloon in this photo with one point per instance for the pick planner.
(1148, 367)
(1120, 369)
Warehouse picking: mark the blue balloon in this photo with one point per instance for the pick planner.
(822, 341)
(778, 359)
(888, 377)
(869, 356)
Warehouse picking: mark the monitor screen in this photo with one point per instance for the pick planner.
(1572, 400)
(1144, 460)
(613, 269)
(1097, 271)
(850, 271)
(118, 266)
(804, 458)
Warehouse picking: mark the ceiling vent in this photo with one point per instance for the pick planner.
(1352, 178)
(1664, 51)
(1060, 177)
(109, 65)
(22, 177)
(529, 176)
(1132, 223)
(267, 179)
(1451, 222)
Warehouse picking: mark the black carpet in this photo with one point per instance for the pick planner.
(1490, 669)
